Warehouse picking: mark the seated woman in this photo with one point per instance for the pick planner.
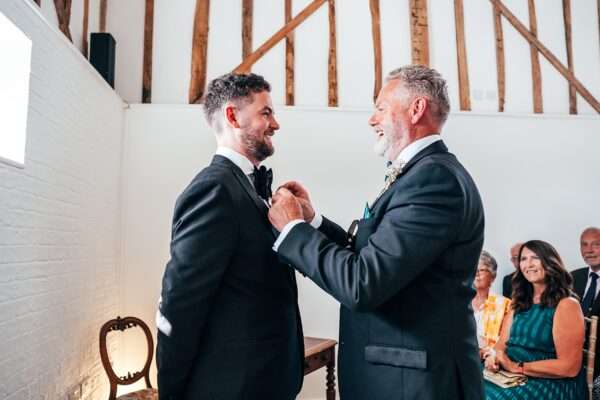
(489, 309)
(543, 333)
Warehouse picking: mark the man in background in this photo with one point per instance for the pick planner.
(507, 280)
(228, 320)
(585, 280)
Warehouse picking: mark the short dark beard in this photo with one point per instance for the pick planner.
(257, 149)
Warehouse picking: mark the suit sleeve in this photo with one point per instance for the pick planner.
(203, 240)
(334, 232)
(422, 220)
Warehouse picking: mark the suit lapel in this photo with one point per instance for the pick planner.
(246, 185)
(436, 147)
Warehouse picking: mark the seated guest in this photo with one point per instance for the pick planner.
(489, 309)
(585, 280)
(507, 280)
(543, 333)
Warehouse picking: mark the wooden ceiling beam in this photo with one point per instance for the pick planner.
(376, 31)
(531, 38)
(461, 56)
(84, 29)
(199, 51)
(570, 63)
(500, 63)
(103, 7)
(247, 11)
(536, 73)
(289, 57)
(332, 98)
(148, 43)
(63, 12)
(245, 66)
(419, 32)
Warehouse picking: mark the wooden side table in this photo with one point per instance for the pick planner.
(319, 353)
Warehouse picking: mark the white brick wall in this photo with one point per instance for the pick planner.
(59, 224)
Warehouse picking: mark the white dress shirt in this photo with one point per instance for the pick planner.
(404, 157)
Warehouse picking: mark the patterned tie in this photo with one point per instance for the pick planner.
(588, 299)
(263, 178)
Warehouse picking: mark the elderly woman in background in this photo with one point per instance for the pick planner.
(489, 309)
(543, 333)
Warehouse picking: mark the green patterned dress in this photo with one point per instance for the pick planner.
(531, 340)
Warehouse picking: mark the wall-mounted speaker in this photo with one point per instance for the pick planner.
(102, 55)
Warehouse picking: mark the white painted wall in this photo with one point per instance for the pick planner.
(59, 224)
(537, 177)
(173, 33)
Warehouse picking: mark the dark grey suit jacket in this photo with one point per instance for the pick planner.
(580, 278)
(406, 325)
(236, 331)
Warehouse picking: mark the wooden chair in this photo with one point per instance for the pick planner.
(589, 352)
(121, 324)
(319, 353)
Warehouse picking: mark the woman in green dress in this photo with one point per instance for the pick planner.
(543, 333)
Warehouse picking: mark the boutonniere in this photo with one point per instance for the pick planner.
(391, 174)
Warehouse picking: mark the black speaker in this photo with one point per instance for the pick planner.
(102, 55)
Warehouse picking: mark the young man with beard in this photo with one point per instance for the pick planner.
(405, 285)
(228, 320)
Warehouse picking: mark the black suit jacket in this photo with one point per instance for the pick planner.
(580, 278)
(406, 325)
(236, 331)
(507, 285)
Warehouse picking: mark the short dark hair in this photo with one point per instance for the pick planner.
(231, 87)
(558, 280)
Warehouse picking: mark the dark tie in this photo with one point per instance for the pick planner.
(588, 299)
(263, 178)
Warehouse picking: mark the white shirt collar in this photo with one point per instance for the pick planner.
(238, 159)
(415, 147)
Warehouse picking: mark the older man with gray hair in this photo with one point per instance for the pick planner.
(404, 273)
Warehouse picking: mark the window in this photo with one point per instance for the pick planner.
(15, 66)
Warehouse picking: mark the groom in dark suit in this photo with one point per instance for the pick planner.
(404, 280)
(585, 280)
(228, 320)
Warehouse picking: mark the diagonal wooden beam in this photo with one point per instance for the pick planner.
(84, 30)
(279, 35)
(199, 51)
(461, 56)
(569, 44)
(531, 38)
(102, 23)
(247, 8)
(376, 29)
(289, 57)
(332, 60)
(500, 64)
(148, 40)
(63, 12)
(419, 32)
(536, 73)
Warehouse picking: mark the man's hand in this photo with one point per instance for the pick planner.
(285, 208)
(302, 195)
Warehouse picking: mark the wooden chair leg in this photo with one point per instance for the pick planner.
(331, 377)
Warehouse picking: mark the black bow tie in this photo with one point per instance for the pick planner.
(263, 178)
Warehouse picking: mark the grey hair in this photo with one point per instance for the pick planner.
(233, 87)
(591, 229)
(424, 81)
(489, 261)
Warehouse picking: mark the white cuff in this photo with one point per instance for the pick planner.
(317, 220)
(163, 324)
(286, 229)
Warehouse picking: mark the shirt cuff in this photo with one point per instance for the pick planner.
(284, 232)
(317, 220)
